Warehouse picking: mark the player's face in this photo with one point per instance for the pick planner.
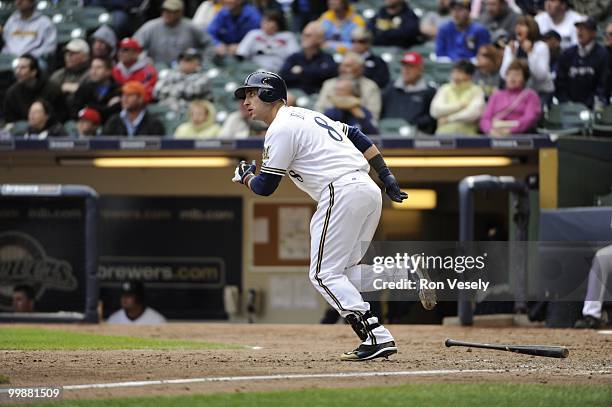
(256, 108)
(128, 302)
(21, 302)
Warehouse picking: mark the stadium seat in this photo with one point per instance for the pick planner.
(302, 99)
(603, 200)
(425, 5)
(438, 72)
(425, 49)
(91, 18)
(6, 62)
(240, 70)
(168, 117)
(19, 128)
(395, 127)
(67, 31)
(70, 127)
(602, 125)
(566, 119)
(388, 54)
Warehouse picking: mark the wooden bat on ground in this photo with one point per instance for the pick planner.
(535, 350)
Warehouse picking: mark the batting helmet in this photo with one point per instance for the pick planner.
(270, 87)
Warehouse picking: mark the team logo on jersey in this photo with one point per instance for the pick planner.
(266, 153)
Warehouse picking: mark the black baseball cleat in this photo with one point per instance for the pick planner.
(368, 352)
(590, 322)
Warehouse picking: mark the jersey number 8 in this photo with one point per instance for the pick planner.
(333, 133)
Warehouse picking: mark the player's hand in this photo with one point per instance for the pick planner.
(392, 188)
(243, 170)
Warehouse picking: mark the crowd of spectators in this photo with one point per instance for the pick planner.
(509, 61)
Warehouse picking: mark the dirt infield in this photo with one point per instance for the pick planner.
(306, 350)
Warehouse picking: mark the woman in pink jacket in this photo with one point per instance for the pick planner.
(514, 110)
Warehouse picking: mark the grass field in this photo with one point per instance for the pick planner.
(24, 338)
(469, 395)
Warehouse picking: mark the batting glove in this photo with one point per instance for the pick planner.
(392, 188)
(244, 171)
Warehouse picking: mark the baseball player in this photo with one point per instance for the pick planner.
(330, 161)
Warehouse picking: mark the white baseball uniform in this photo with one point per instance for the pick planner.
(320, 159)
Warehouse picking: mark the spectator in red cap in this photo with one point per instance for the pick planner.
(409, 97)
(133, 120)
(89, 122)
(133, 67)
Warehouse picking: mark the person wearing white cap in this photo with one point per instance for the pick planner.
(164, 38)
(76, 67)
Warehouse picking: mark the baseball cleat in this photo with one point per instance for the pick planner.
(428, 296)
(590, 322)
(368, 352)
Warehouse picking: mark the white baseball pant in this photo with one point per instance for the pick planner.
(346, 217)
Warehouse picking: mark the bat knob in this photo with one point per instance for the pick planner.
(448, 342)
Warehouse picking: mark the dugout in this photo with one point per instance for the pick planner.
(48, 252)
(168, 205)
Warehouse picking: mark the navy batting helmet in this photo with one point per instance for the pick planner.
(270, 87)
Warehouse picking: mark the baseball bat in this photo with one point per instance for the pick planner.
(535, 350)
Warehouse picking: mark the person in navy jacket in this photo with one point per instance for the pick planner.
(582, 70)
(395, 24)
(309, 68)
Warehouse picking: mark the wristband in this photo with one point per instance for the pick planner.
(378, 163)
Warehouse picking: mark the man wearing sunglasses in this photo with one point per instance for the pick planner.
(374, 67)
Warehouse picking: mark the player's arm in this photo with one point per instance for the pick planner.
(263, 184)
(376, 161)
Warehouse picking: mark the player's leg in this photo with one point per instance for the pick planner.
(335, 230)
(598, 276)
(363, 277)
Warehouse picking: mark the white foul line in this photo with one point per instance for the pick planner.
(273, 377)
